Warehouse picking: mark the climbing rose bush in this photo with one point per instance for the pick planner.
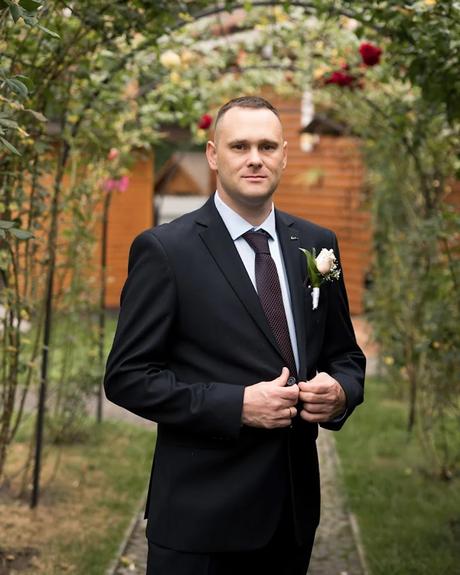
(341, 78)
(370, 53)
(205, 122)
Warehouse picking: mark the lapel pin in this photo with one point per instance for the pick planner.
(294, 238)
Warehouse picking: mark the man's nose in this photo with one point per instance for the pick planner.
(254, 158)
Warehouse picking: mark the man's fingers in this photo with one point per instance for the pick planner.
(290, 393)
(286, 416)
(316, 413)
(317, 407)
(313, 417)
(318, 387)
(281, 380)
(287, 413)
(270, 404)
(310, 397)
(291, 412)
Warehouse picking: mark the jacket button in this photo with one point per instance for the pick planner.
(291, 380)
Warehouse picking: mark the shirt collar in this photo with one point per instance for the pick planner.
(237, 226)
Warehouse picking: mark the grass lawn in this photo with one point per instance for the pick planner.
(88, 500)
(410, 522)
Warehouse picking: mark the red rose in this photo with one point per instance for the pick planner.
(340, 78)
(205, 122)
(370, 53)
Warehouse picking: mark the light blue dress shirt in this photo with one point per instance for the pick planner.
(237, 226)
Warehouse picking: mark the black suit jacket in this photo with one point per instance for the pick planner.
(191, 335)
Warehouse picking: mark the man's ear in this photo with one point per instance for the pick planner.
(211, 155)
(284, 155)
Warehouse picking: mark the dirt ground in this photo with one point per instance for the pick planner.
(28, 537)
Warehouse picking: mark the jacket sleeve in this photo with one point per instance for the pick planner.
(341, 357)
(138, 376)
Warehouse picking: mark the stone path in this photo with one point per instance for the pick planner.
(337, 549)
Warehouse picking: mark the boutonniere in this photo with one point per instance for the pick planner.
(320, 269)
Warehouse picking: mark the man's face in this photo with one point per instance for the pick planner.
(249, 155)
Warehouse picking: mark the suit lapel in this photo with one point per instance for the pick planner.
(289, 238)
(221, 247)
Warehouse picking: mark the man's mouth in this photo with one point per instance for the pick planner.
(254, 177)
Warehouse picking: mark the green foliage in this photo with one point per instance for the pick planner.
(16, 85)
(10, 228)
(410, 148)
(414, 301)
(421, 43)
(416, 313)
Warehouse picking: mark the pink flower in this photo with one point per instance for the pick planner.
(370, 53)
(123, 184)
(340, 78)
(109, 185)
(116, 184)
(205, 122)
(113, 154)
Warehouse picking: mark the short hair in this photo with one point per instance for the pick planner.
(255, 102)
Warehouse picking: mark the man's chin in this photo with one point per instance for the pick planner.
(257, 201)
(253, 196)
(257, 192)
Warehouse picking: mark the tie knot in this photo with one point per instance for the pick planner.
(258, 241)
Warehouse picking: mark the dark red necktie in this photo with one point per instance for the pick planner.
(269, 291)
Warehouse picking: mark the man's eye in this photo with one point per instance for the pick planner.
(267, 147)
(238, 146)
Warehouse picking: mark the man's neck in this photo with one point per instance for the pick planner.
(254, 214)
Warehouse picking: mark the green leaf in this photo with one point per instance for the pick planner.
(315, 277)
(5, 225)
(30, 20)
(30, 5)
(21, 234)
(15, 12)
(37, 115)
(25, 80)
(8, 123)
(2, 232)
(48, 31)
(9, 146)
(17, 86)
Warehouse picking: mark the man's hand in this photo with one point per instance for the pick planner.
(323, 399)
(270, 404)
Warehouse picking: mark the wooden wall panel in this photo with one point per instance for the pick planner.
(131, 212)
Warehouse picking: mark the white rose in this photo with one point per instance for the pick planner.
(170, 59)
(325, 262)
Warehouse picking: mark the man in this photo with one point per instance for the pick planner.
(219, 343)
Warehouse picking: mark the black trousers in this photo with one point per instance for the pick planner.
(282, 556)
